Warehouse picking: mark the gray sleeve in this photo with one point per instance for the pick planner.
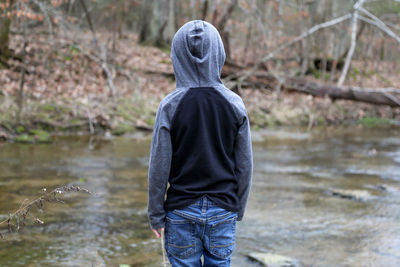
(159, 168)
(244, 164)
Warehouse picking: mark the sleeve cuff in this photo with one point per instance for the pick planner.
(157, 225)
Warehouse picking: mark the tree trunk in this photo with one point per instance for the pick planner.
(154, 19)
(145, 19)
(4, 33)
(160, 22)
(222, 24)
(171, 29)
(204, 10)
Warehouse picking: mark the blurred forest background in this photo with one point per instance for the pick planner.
(103, 66)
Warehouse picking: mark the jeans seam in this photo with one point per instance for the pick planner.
(220, 216)
(175, 246)
(177, 221)
(223, 246)
(190, 217)
(204, 206)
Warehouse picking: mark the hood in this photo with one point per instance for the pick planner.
(197, 55)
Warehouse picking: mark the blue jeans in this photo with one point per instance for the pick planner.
(202, 228)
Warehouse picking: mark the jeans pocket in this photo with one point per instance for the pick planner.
(222, 238)
(180, 236)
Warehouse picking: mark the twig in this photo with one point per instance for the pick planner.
(24, 210)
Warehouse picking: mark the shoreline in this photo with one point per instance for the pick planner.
(40, 121)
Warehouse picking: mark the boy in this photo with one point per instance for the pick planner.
(201, 146)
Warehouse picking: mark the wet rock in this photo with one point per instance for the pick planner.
(3, 136)
(273, 260)
(384, 187)
(358, 195)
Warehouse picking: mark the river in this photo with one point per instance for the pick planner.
(329, 197)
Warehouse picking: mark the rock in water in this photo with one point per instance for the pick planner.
(359, 195)
(3, 136)
(273, 260)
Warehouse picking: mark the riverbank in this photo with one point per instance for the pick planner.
(128, 115)
(66, 91)
(136, 112)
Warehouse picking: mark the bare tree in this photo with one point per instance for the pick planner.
(5, 22)
(353, 41)
(221, 26)
(153, 22)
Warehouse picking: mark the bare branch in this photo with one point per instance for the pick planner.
(378, 23)
(24, 210)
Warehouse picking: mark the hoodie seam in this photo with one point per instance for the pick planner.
(240, 112)
(230, 106)
(198, 73)
(178, 105)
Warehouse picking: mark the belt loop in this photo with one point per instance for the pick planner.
(204, 206)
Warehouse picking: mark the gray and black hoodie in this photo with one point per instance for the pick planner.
(201, 141)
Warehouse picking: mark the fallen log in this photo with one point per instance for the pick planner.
(266, 80)
(380, 96)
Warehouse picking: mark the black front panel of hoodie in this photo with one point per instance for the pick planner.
(203, 132)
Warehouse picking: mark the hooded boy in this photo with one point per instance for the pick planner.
(201, 148)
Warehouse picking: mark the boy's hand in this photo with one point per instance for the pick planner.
(157, 232)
